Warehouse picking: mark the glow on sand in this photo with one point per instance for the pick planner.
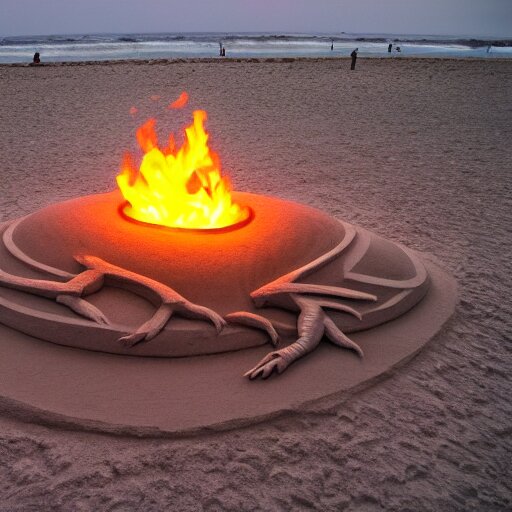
(179, 187)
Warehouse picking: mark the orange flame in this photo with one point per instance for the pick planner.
(179, 187)
(180, 102)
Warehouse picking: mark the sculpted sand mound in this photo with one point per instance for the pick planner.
(323, 263)
(215, 269)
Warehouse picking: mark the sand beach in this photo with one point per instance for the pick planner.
(416, 150)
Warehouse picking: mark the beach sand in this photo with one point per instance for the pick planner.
(418, 151)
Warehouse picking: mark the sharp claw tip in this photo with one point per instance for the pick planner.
(129, 341)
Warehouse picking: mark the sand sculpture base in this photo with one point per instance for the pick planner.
(124, 327)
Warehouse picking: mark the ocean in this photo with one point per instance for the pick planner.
(101, 47)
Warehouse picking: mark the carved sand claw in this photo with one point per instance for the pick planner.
(256, 321)
(82, 308)
(265, 368)
(168, 300)
(313, 322)
(312, 325)
(148, 330)
(69, 293)
(99, 273)
(328, 304)
(191, 310)
(265, 292)
(338, 338)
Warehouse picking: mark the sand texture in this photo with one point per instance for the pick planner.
(418, 151)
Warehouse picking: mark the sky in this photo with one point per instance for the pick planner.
(436, 17)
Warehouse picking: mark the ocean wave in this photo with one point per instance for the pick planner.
(82, 47)
(124, 39)
(249, 37)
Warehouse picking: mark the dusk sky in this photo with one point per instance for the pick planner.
(440, 17)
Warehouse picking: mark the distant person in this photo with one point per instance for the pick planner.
(36, 59)
(354, 58)
(332, 45)
(220, 48)
(390, 47)
(398, 49)
(223, 51)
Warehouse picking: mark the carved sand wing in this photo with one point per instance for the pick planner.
(100, 273)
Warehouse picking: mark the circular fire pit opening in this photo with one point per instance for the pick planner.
(248, 211)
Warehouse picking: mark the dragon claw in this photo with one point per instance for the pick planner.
(254, 321)
(83, 308)
(313, 324)
(132, 339)
(191, 310)
(274, 361)
(158, 321)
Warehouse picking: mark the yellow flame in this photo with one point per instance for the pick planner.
(179, 187)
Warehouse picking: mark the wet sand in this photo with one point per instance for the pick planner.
(418, 151)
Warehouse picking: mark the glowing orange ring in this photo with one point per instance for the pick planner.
(225, 229)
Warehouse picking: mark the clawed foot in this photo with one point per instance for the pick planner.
(168, 301)
(158, 321)
(274, 361)
(312, 325)
(99, 273)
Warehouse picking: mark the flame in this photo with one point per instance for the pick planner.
(180, 102)
(179, 187)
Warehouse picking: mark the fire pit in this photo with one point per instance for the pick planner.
(176, 265)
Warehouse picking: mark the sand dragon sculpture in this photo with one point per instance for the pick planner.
(177, 231)
(311, 303)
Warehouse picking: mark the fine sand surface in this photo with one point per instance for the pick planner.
(418, 151)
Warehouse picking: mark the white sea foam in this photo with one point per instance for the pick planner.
(151, 46)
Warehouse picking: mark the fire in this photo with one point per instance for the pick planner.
(179, 187)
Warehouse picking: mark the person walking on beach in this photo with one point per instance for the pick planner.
(354, 58)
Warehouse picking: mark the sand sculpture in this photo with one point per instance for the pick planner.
(92, 274)
(309, 275)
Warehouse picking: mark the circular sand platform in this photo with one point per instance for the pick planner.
(80, 276)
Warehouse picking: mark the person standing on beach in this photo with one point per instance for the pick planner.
(354, 58)
(332, 45)
(390, 46)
